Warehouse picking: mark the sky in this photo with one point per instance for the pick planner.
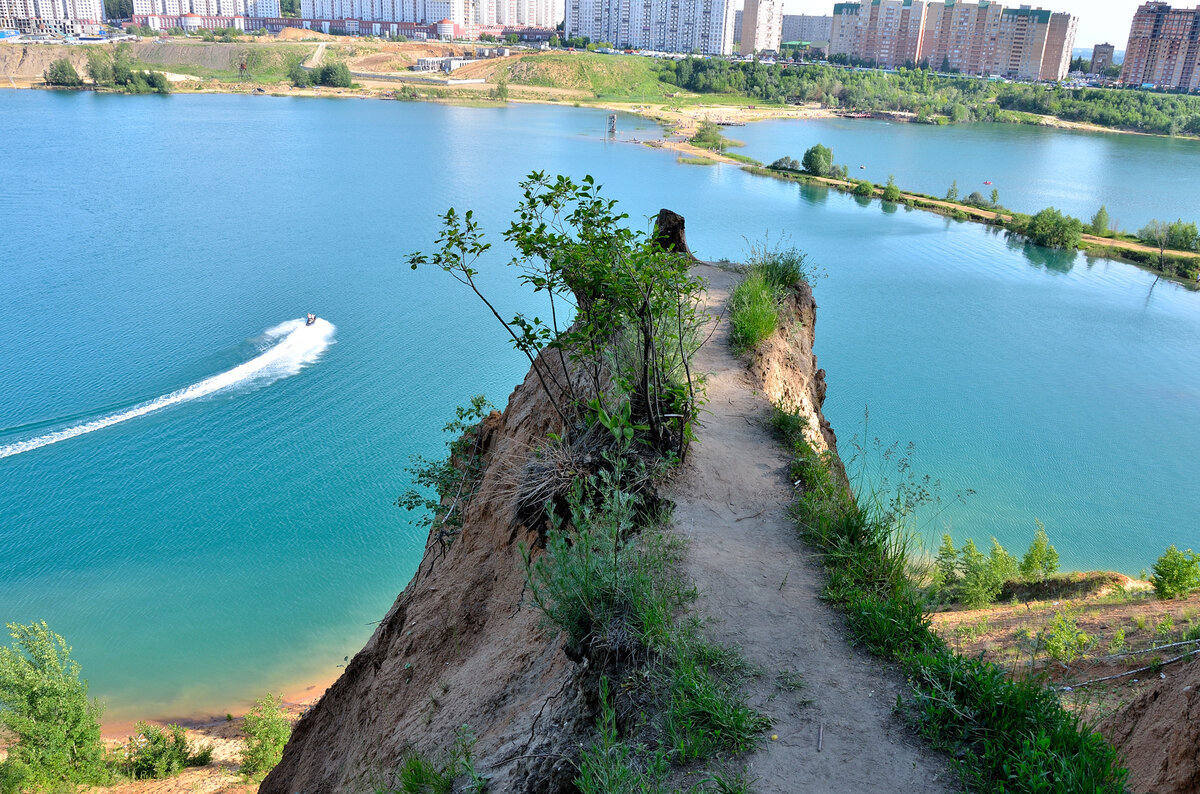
(1099, 20)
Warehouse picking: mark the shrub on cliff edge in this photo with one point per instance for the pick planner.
(267, 731)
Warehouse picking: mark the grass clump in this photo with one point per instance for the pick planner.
(154, 752)
(756, 306)
(1007, 735)
(419, 774)
(267, 730)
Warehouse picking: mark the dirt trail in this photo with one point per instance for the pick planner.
(760, 587)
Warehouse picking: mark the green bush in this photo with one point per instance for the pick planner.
(267, 730)
(818, 161)
(299, 76)
(44, 707)
(891, 192)
(156, 752)
(863, 188)
(334, 75)
(1064, 641)
(62, 73)
(1053, 229)
(1100, 221)
(753, 312)
(1176, 573)
(1041, 560)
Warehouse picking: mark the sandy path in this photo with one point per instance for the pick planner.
(760, 586)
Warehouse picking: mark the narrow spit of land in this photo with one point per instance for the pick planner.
(830, 704)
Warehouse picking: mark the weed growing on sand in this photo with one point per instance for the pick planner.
(154, 752)
(1063, 640)
(1010, 735)
(267, 730)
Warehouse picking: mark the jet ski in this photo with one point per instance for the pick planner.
(310, 319)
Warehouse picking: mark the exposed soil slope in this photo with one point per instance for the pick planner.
(761, 586)
(1159, 734)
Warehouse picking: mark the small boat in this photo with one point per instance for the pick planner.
(310, 319)
(863, 167)
(987, 182)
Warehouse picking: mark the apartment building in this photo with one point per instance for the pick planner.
(64, 17)
(737, 26)
(703, 26)
(888, 32)
(1164, 47)
(812, 28)
(762, 26)
(1102, 57)
(973, 38)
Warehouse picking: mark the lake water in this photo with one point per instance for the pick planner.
(1137, 177)
(235, 532)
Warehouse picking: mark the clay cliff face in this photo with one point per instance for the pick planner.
(457, 647)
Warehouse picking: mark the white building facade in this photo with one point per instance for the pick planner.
(66, 17)
(703, 26)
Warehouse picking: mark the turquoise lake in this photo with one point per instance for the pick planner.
(235, 532)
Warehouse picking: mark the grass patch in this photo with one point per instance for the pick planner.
(741, 158)
(420, 774)
(1004, 734)
(610, 581)
(753, 312)
(685, 160)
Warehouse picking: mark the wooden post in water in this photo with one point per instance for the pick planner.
(612, 124)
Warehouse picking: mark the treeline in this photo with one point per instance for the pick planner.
(933, 97)
(109, 69)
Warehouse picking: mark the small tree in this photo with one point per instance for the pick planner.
(555, 41)
(787, 164)
(891, 192)
(995, 197)
(45, 707)
(1157, 234)
(62, 73)
(100, 66)
(500, 92)
(952, 193)
(299, 76)
(1053, 229)
(946, 563)
(1100, 221)
(267, 730)
(818, 161)
(1176, 573)
(1041, 560)
(1183, 236)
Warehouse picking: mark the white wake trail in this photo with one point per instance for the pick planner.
(289, 347)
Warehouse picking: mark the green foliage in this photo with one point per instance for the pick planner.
(334, 75)
(118, 9)
(610, 766)
(299, 76)
(891, 192)
(45, 708)
(946, 564)
(1100, 221)
(115, 69)
(445, 486)
(1008, 735)
(818, 161)
(1176, 573)
(952, 193)
(1176, 235)
(1053, 229)
(418, 774)
(155, 752)
(787, 164)
(62, 73)
(636, 319)
(706, 716)
(267, 730)
(1041, 559)
(1063, 640)
(863, 188)
(753, 312)
(709, 136)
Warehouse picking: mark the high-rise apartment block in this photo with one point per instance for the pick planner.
(1102, 57)
(1164, 47)
(66, 17)
(704, 26)
(974, 38)
(737, 26)
(807, 27)
(762, 26)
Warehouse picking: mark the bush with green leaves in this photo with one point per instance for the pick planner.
(62, 73)
(154, 752)
(863, 188)
(333, 75)
(1041, 559)
(45, 709)
(818, 161)
(787, 164)
(1176, 573)
(1053, 229)
(891, 192)
(299, 76)
(1100, 222)
(1063, 640)
(267, 730)
(983, 576)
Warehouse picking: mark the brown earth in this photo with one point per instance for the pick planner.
(1158, 734)
(833, 729)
